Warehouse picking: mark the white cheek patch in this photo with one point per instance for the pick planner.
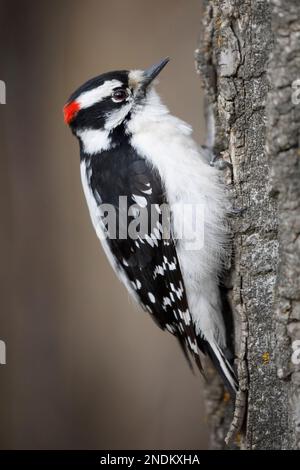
(94, 140)
(91, 97)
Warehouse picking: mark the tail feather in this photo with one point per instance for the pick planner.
(223, 366)
(183, 347)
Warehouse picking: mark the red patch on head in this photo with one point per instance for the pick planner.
(70, 111)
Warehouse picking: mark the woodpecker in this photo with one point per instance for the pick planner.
(132, 148)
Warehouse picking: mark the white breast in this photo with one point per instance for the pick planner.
(166, 143)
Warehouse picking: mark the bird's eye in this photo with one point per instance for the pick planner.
(119, 95)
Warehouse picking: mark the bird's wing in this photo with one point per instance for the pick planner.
(149, 262)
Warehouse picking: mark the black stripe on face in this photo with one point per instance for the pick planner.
(95, 116)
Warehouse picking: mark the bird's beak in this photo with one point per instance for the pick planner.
(152, 72)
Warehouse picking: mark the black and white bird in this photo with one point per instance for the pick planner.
(133, 149)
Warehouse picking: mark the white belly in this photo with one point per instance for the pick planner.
(167, 145)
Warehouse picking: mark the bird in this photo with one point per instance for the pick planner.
(140, 166)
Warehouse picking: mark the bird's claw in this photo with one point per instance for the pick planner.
(236, 211)
(220, 164)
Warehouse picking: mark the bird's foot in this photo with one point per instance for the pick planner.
(236, 211)
(215, 159)
(218, 162)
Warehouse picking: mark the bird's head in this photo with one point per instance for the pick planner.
(104, 102)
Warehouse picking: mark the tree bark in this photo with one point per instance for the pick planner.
(249, 59)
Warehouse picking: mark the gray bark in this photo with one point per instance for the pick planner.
(249, 57)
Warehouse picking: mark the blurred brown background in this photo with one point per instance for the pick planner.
(85, 368)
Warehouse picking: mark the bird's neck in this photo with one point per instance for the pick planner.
(96, 141)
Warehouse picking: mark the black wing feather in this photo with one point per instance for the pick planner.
(150, 262)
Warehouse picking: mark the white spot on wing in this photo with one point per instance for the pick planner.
(149, 240)
(151, 297)
(170, 328)
(158, 270)
(149, 309)
(186, 317)
(154, 239)
(140, 200)
(166, 301)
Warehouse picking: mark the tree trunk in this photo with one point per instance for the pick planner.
(249, 59)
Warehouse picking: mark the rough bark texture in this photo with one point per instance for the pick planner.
(248, 58)
(283, 127)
